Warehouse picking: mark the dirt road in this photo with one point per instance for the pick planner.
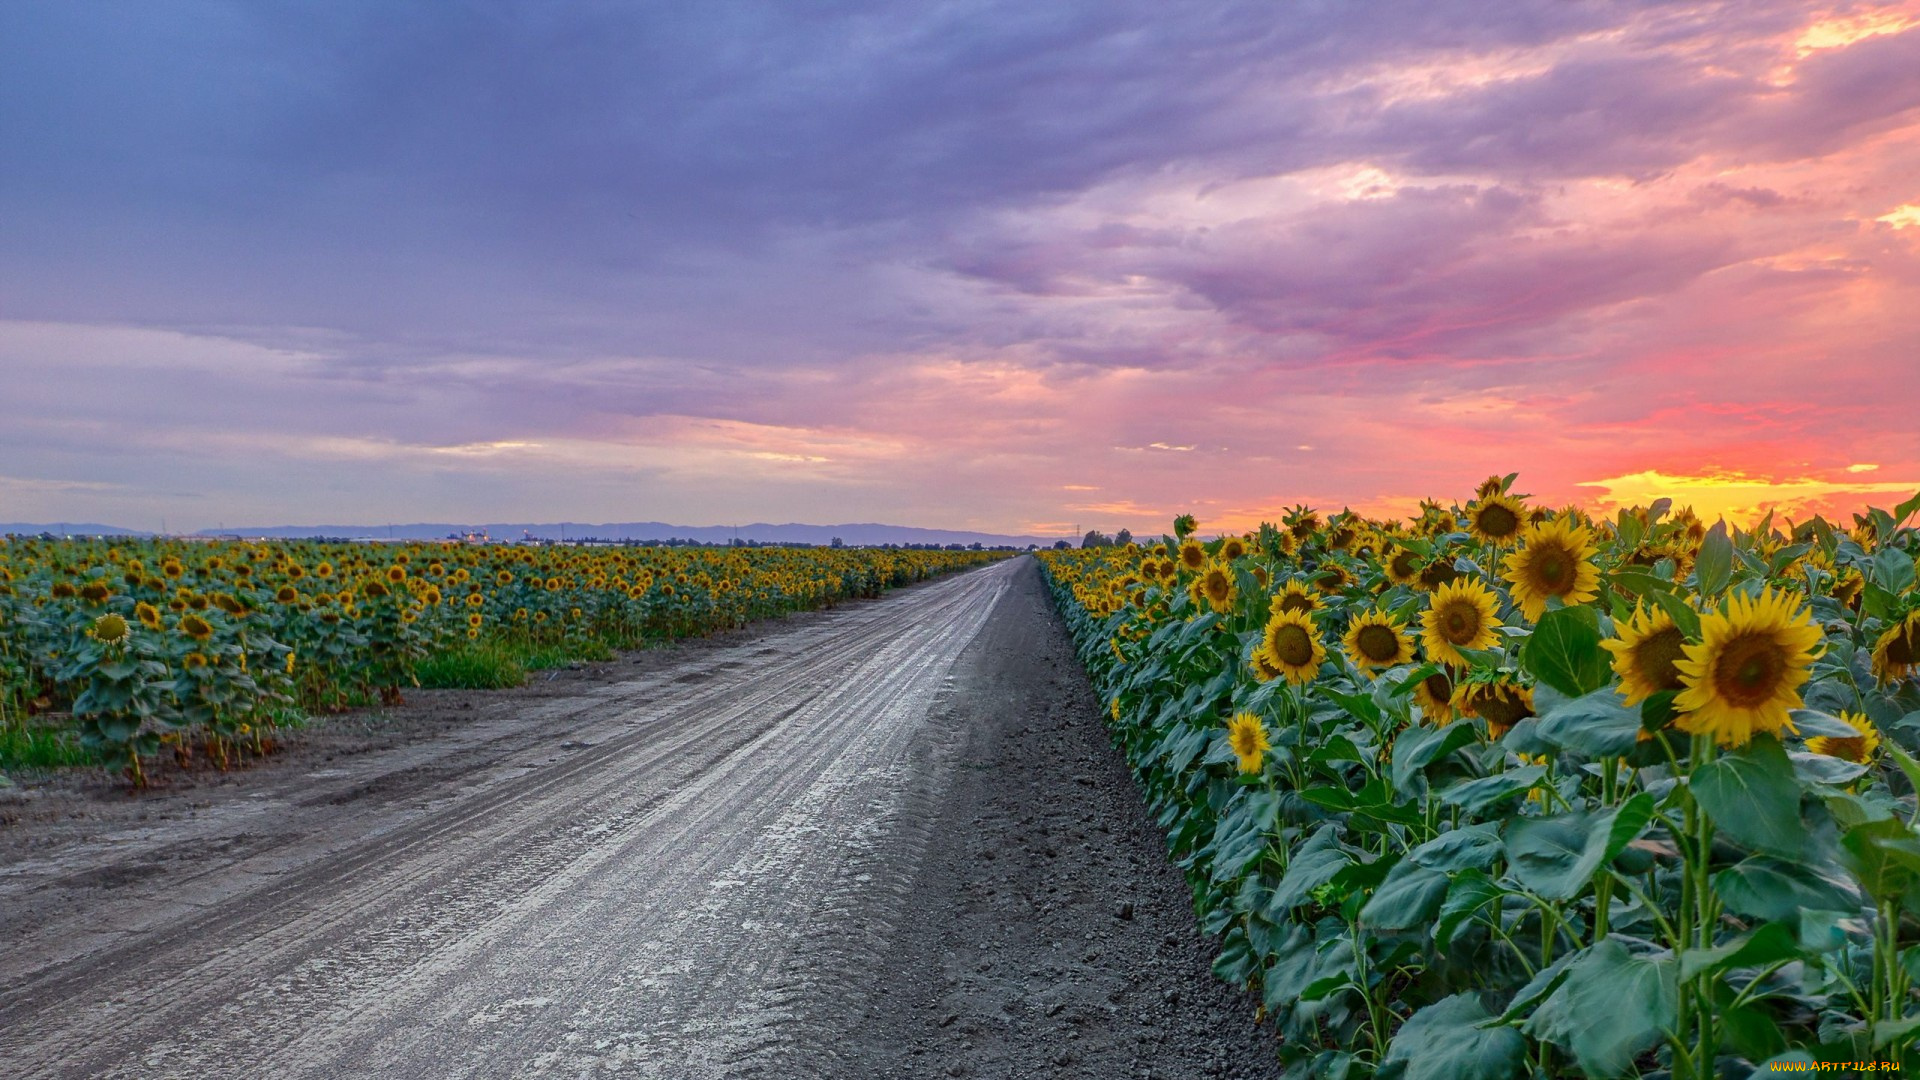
(724, 866)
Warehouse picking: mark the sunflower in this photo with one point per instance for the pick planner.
(1462, 617)
(374, 589)
(1848, 584)
(1859, 749)
(1216, 584)
(196, 627)
(148, 615)
(110, 629)
(96, 592)
(194, 660)
(1263, 669)
(1438, 571)
(475, 599)
(324, 570)
(1746, 673)
(1897, 652)
(1496, 519)
(1303, 525)
(1292, 646)
(1376, 642)
(1491, 486)
(1232, 548)
(1249, 738)
(1645, 653)
(228, 603)
(1402, 565)
(1294, 596)
(1434, 695)
(1501, 702)
(397, 574)
(286, 594)
(1192, 555)
(1331, 578)
(1555, 559)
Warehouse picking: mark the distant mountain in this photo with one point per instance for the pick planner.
(65, 528)
(864, 534)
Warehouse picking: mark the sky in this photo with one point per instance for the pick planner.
(1006, 266)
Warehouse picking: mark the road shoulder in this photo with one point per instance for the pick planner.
(1047, 935)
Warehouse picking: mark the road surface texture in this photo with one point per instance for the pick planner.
(887, 840)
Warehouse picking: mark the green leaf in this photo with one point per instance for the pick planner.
(1639, 581)
(1892, 570)
(1887, 1032)
(1475, 796)
(1811, 723)
(1713, 568)
(1564, 651)
(1556, 856)
(1883, 856)
(1764, 887)
(1475, 846)
(1681, 612)
(1599, 724)
(1419, 747)
(1905, 510)
(1611, 1007)
(1771, 942)
(1243, 833)
(1752, 795)
(1470, 891)
(1409, 897)
(1446, 1041)
(1312, 865)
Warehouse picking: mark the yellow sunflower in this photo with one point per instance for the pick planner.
(1462, 617)
(148, 615)
(196, 627)
(1746, 673)
(1292, 646)
(110, 629)
(1249, 739)
(1645, 653)
(1218, 587)
(1501, 702)
(1496, 519)
(1294, 596)
(1897, 652)
(1555, 559)
(1402, 566)
(1192, 555)
(1232, 548)
(1434, 695)
(1375, 641)
(1858, 749)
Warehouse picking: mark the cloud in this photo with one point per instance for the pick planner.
(949, 265)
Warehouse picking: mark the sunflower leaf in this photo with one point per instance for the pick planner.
(1764, 887)
(1753, 796)
(1714, 566)
(1596, 725)
(1564, 651)
(1611, 1007)
(1449, 1040)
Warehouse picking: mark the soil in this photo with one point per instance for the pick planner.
(885, 840)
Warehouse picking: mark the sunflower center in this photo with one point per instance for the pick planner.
(1654, 657)
(1438, 686)
(1292, 645)
(1500, 707)
(1378, 643)
(1462, 623)
(1497, 520)
(1900, 647)
(1218, 586)
(1749, 670)
(1551, 566)
(1296, 602)
(1402, 564)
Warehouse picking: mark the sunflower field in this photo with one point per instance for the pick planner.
(1507, 791)
(129, 648)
